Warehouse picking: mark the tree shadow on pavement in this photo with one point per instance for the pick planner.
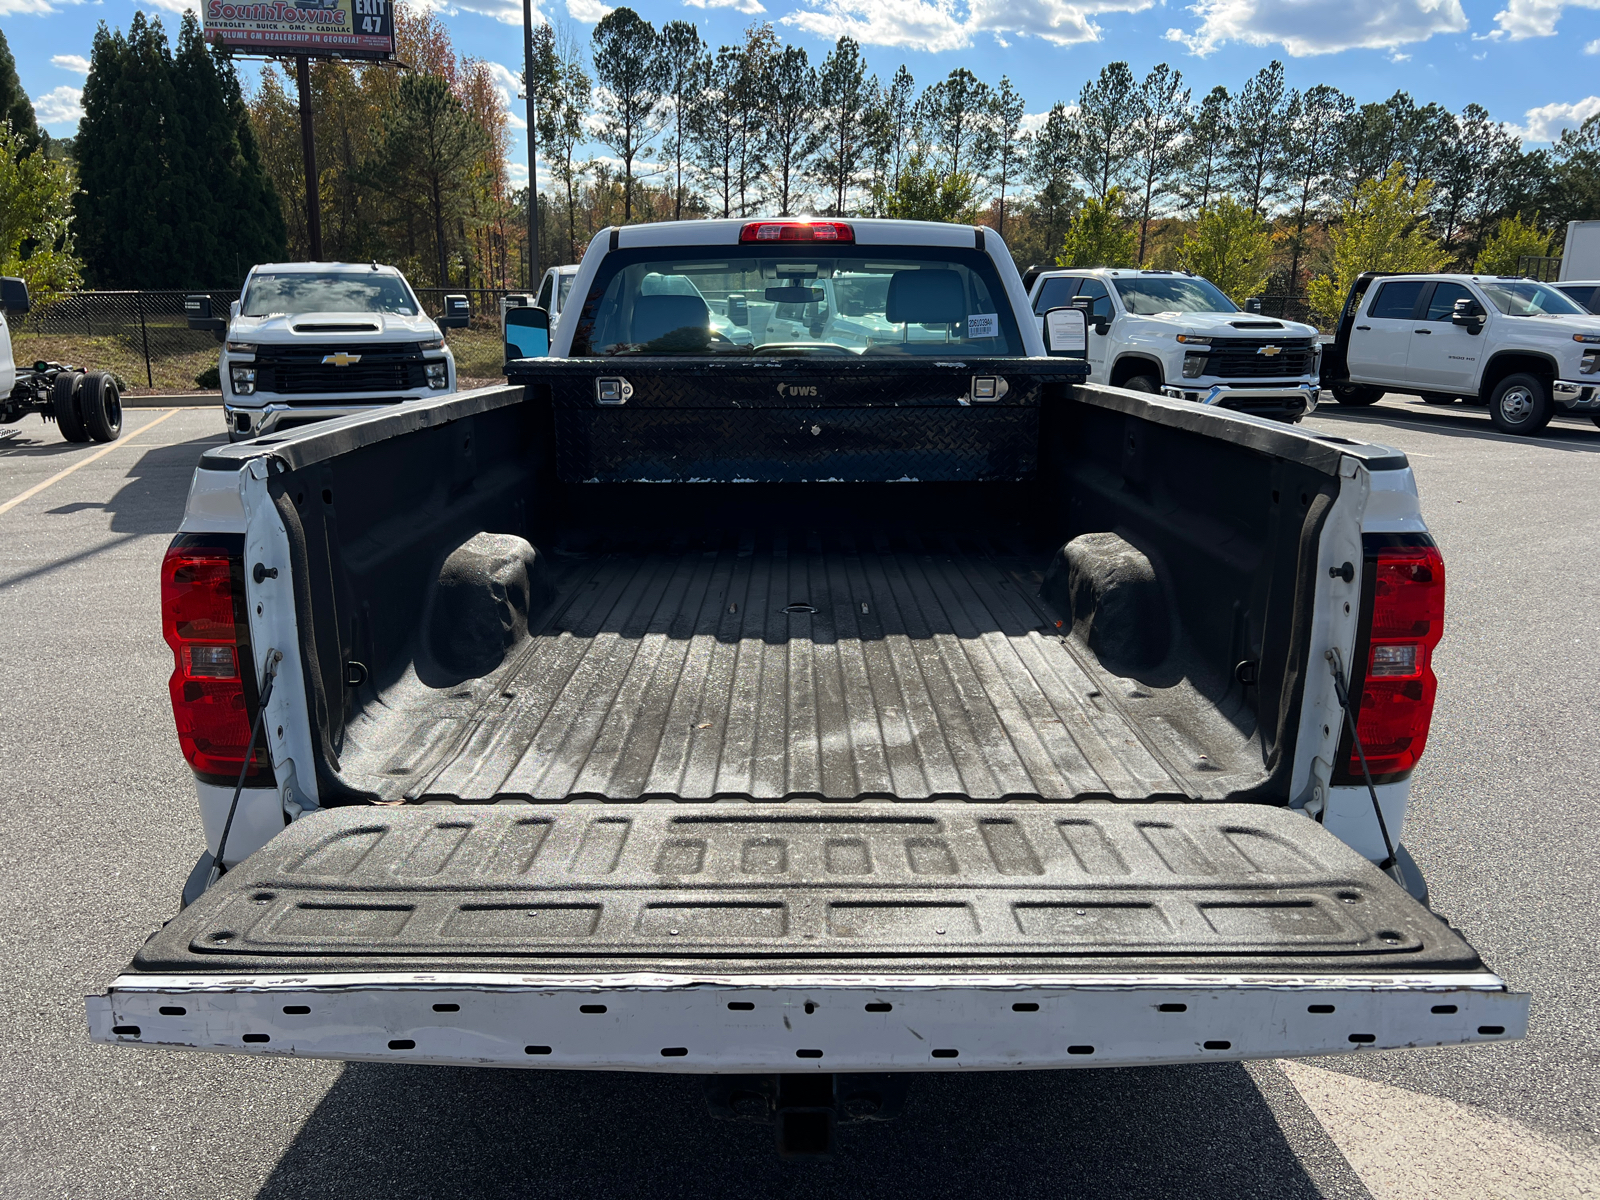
(1195, 1133)
(1464, 422)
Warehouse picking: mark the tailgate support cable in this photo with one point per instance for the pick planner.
(274, 657)
(1390, 863)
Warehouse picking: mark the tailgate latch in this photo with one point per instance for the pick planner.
(612, 390)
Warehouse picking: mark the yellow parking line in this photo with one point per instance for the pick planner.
(84, 462)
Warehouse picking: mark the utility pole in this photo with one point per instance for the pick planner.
(308, 147)
(533, 147)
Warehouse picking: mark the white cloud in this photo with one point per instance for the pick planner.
(744, 6)
(76, 63)
(947, 25)
(1033, 122)
(1545, 123)
(28, 8)
(176, 6)
(508, 84)
(61, 106)
(518, 173)
(1534, 18)
(1304, 29)
(1593, 47)
(587, 11)
(507, 12)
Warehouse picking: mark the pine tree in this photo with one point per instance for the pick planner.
(845, 104)
(14, 104)
(791, 124)
(683, 67)
(629, 68)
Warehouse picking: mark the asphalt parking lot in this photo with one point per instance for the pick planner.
(98, 829)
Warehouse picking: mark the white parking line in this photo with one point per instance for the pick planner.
(1405, 1145)
(84, 462)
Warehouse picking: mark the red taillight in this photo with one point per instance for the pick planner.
(202, 623)
(1397, 695)
(797, 231)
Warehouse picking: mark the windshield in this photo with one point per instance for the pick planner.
(1144, 296)
(759, 301)
(323, 292)
(1525, 298)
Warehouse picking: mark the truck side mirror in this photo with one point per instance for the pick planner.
(1085, 305)
(456, 313)
(14, 295)
(1468, 315)
(527, 333)
(1252, 305)
(197, 309)
(1066, 333)
(739, 310)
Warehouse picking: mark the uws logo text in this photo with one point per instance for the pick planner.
(275, 11)
(789, 389)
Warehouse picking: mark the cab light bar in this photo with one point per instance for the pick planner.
(797, 231)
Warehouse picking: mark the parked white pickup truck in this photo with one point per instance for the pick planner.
(1177, 334)
(803, 716)
(309, 341)
(1516, 344)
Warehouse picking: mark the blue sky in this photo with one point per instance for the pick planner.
(1531, 63)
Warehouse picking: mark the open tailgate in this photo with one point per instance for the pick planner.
(805, 935)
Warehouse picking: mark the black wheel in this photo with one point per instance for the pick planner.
(65, 395)
(1521, 403)
(1437, 398)
(1356, 395)
(101, 404)
(1141, 383)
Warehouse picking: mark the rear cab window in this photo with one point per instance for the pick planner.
(1395, 301)
(886, 301)
(1056, 293)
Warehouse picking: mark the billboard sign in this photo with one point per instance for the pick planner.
(327, 28)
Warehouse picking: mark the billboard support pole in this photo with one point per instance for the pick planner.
(533, 147)
(308, 146)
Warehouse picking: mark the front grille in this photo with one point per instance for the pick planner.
(1241, 358)
(287, 371)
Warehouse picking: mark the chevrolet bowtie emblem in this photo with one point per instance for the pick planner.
(342, 359)
(1269, 351)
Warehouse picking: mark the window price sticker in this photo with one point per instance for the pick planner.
(983, 325)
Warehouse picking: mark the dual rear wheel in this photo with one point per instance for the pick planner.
(87, 406)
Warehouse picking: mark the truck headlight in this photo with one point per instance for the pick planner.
(438, 375)
(1194, 365)
(244, 380)
(432, 344)
(241, 347)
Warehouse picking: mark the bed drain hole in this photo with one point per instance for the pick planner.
(1491, 1029)
(808, 1053)
(447, 1008)
(741, 1006)
(172, 1010)
(1362, 1039)
(296, 1010)
(1219, 1045)
(879, 1006)
(257, 1037)
(800, 608)
(536, 1049)
(947, 1054)
(1172, 1008)
(125, 1030)
(1319, 1008)
(811, 1007)
(402, 1044)
(1025, 1006)
(1090, 1049)
(222, 936)
(1444, 1010)
(591, 1008)
(674, 1052)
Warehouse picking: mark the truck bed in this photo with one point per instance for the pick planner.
(859, 662)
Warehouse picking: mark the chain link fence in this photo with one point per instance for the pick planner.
(144, 338)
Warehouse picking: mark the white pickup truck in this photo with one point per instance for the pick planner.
(1177, 334)
(801, 715)
(1518, 345)
(309, 341)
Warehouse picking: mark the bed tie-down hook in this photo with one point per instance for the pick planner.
(1390, 863)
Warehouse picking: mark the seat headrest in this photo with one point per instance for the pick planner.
(926, 298)
(656, 316)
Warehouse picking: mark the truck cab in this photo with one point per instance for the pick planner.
(310, 341)
(1522, 347)
(1178, 335)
